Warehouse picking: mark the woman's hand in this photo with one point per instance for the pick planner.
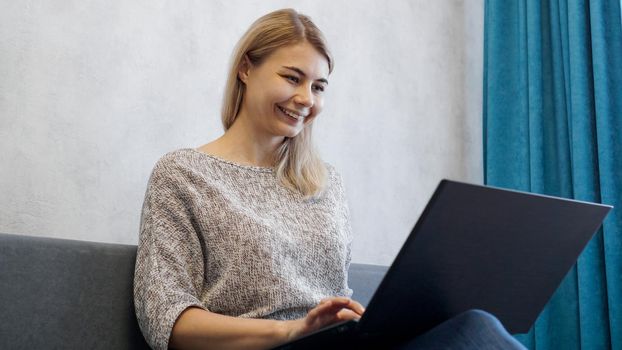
(328, 311)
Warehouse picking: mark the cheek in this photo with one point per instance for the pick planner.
(280, 92)
(318, 106)
(317, 109)
(269, 92)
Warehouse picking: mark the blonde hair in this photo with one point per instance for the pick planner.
(298, 165)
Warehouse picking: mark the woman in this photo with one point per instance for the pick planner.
(245, 241)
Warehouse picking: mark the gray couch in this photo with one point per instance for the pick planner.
(65, 294)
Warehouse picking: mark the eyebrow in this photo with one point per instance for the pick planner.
(299, 71)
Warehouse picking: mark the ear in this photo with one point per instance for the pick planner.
(244, 69)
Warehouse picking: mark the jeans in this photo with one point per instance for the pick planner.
(473, 329)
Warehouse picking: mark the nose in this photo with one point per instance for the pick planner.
(304, 96)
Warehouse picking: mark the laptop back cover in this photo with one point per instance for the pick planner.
(477, 247)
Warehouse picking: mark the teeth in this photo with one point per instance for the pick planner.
(295, 116)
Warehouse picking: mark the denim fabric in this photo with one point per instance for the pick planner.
(474, 329)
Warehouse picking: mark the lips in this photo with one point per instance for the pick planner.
(294, 115)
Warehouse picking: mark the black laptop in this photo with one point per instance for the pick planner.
(473, 247)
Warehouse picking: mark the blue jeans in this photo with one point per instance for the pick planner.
(473, 329)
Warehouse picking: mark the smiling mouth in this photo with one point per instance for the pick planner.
(290, 114)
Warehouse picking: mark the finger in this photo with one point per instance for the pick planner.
(326, 312)
(327, 307)
(322, 313)
(334, 303)
(337, 299)
(327, 304)
(356, 307)
(331, 315)
(347, 315)
(344, 302)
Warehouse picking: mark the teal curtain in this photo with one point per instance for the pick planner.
(552, 119)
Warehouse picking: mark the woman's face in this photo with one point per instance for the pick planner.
(285, 92)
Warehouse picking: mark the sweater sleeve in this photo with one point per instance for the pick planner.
(169, 269)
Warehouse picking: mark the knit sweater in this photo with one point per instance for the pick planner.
(230, 239)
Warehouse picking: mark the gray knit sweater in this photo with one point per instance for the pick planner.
(232, 240)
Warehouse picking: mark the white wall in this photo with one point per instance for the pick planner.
(93, 93)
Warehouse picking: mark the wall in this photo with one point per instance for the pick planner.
(93, 93)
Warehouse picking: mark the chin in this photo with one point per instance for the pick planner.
(290, 131)
(293, 134)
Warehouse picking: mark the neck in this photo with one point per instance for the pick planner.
(242, 143)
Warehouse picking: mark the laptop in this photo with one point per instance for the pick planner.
(473, 247)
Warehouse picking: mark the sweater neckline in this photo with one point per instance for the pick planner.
(234, 164)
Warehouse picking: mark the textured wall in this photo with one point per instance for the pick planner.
(93, 92)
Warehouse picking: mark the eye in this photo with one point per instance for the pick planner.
(292, 78)
(318, 88)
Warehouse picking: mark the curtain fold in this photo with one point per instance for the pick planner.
(552, 120)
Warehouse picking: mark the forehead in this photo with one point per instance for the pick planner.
(303, 56)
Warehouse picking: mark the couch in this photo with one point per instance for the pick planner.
(67, 294)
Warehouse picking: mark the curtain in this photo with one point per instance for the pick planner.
(552, 119)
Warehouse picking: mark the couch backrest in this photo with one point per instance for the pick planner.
(364, 279)
(65, 294)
